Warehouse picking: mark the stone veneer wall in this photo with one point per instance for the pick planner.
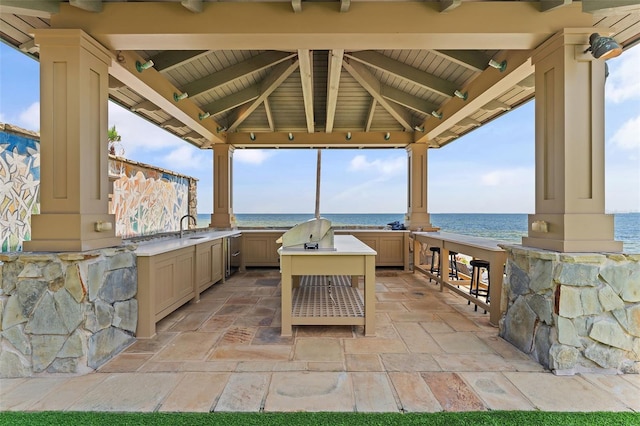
(66, 312)
(574, 312)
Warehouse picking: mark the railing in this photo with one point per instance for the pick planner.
(479, 248)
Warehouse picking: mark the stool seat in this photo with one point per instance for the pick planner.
(474, 287)
(478, 263)
(435, 266)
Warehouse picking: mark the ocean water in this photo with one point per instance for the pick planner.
(504, 227)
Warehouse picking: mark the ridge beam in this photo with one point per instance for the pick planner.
(368, 81)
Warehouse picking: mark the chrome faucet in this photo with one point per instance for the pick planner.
(195, 222)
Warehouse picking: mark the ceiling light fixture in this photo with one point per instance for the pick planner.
(141, 67)
(290, 136)
(498, 65)
(252, 136)
(461, 95)
(180, 97)
(387, 136)
(202, 116)
(221, 129)
(603, 47)
(418, 129)
(348, 136)
(437, 114)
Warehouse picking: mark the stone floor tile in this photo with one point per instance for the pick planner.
(153, 345)
(190, 322)
(188, 346)
(460, 343)
(124, 363)
(326, 366)
(208, 366)
(413, 392)
(384, 331)
(252, 321)
(29, 392)
(363, 362)
(161, 367)
(428, 305)
(458, 322)
(242, 300)
(62, 396)
(270, 336)
(263, 366)
(142, 392)
(208, 306)
(502, 347)
(497, 392)
(390, 307)
(7, 384)
(634, 379)
(472, 362)
(310, 391)
(549, 392)
(217, 323)
(244, 392)
(373, 393)
(436, 327)
(234, 309)
(290, 366)
(392, 297)
(318, 349)
(452, 392)
(618, 387)
(409, 362)
(413, 316)
(374, 345)
(238, 335)
(269, 302)
(251, 353)
(416, 338)
(196, 392)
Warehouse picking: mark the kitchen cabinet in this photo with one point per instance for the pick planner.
(259, 248)
(208, 265)
(392, 246)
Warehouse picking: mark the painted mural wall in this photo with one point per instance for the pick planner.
(146, 200)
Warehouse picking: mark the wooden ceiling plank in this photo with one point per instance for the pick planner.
(372, 85)
(306, 80)
(472, 59)
(610, 7)
(194, 6)
(549, 5)
(236, 72)
(407, 100)
(37, 8)
(87, 5)
(232, 101)
(333, 85)
(275, 78)
(171, 59)
(405, 72)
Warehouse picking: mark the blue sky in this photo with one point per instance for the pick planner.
(490, 170)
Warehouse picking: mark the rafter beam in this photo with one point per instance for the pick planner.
(548, 5)
(275, 78)
(489, 85)
(611, 7)
(267, 111)
(367, 80)
(408, 73)
(333, 85)
(321, 140)
(370, 114)
(87, 5)
(232, 101)
(344, 5)
(236, 72)
(194, 6)
(407, 100)
(373, 25)
(36, 8)
(170, 59)
(306, 78)
(473, 59)
(449, 5)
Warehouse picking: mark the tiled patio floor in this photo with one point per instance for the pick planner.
(432, 352)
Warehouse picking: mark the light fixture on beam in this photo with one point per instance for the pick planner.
(252, 136)
(290, 136)
(180, 97)
(202, 116)
(603, 47)
(387, 136)
(459, 94)
(498, 65)
(348, 137)
(437, 114)
(221, 129)
(418, 129)
(143, 66)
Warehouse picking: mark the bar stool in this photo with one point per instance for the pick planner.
(453, 265)
(477, 266)
(435, 266)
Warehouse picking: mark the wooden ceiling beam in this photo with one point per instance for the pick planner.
(473, 59)
(267, 111)
(36, 8)
(232, 101)
(321, 140)
(146, 106)
(236, 72)
(548, 5)
(87, 5)
(170, 59)
(610, 7)
(368, 81)
(370, 114)
(333, 85)
(305, 59)
(407, 100)
(406, 72)
(275, 78)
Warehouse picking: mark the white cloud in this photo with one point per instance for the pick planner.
(385, 167)
(504, 176)
(628, 135)
(251, 156)
(30, 117)
(623, 82)
(187, 159)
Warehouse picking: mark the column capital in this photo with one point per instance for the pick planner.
(567, 37)
(72, 37)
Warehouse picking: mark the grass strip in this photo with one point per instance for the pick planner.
(519, 418)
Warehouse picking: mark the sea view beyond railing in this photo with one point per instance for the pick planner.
(508, 227)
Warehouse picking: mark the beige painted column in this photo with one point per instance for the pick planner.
(417, 213)
(74, 182)
(570, 148)
(222, 216)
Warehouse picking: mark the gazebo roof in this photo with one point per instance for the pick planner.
(320, 74)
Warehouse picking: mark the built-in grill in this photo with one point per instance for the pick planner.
(314, 234)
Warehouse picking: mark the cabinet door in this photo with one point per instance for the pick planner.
(203, 264)
(216, 261)
(261, 249)
(163, 274)
(391, 250)
(184, 275)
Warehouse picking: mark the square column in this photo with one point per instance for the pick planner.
(417, 213)
(569, 148)
(222, 216)
(74, 183)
